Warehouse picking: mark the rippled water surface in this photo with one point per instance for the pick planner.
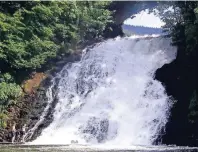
(81, 148)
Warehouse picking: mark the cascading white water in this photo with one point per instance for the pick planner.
(110, 96)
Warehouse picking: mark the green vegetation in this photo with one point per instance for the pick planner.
(33, 33)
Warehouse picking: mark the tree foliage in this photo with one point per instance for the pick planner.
(30, 37)
(33, 33)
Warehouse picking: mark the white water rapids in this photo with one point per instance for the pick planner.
(110, 96)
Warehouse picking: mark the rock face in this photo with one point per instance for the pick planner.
(39, 101)
(180, 81)
(30, 85)
(124, 10)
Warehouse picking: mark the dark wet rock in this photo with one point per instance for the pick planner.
(179, 80)
(40, 100)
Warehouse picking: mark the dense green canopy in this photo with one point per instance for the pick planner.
(33, 33)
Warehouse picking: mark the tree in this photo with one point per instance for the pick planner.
(34, 33)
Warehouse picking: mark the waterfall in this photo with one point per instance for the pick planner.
(110, 96)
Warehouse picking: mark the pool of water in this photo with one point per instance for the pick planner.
(83, 148)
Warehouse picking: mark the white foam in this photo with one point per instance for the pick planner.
(114, 83)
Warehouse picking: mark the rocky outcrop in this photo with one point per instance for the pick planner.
(179, 79)
(39, 101)
(30, 85)
(124, 10)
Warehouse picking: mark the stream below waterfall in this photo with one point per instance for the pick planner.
(81, 148)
